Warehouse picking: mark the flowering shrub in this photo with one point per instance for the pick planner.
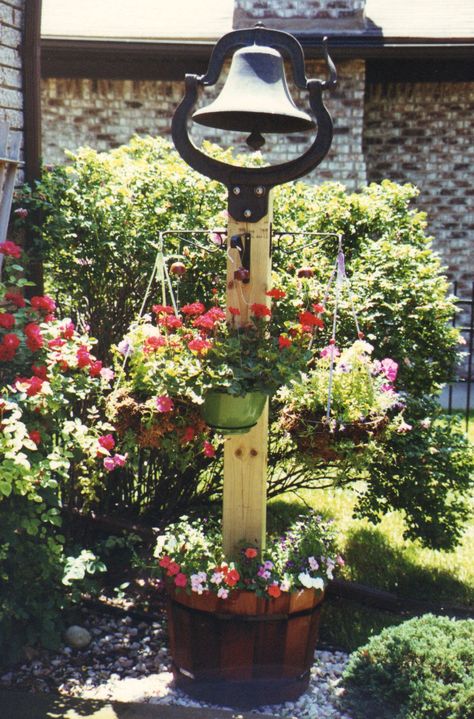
(53, 445)
(190, 557)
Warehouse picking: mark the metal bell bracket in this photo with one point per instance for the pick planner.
(249, 187)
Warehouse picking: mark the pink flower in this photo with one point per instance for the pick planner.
(390, 369)
(330, 350)
(109, 463)
(21, 212)
(208, 449)
(222, 593)
(181, 580)
(164, 403)
(120, 460)
(83, 357)
(404, 427)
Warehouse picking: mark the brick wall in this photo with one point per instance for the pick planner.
(423, 133)
(11, 98)
(106, 113)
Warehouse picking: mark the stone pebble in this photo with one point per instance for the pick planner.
(128, 661)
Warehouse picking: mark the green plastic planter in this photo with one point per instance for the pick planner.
(233, 414)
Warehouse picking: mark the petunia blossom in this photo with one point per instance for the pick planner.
(164, 403)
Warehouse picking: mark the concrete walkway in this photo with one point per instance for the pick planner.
(21, 705)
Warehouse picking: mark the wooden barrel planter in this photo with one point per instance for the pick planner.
(243, 651)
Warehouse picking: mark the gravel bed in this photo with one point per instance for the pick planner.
(127, 660)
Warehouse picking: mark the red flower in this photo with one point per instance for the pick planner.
(67, 330)
(95, 368)
(308, 319)
(57, 342)
(11, 341)
(162, 309)
(274, 590)
(11, 249)
(232, 577)
(318, 308)
(7, 321)
(40, 371)
(170, 321)
(188, 435)
(251, 552)
(34, 339)
(151, 344)
(284, 342)
(173, 569)
(260, 310)
(199, 346)
(165, 562)
(181, 580)
(33, 385)
(276, 293)
(216, 314)
(195, 308)
(43, 304)
(15, 298)
(107, 441)
(83, 358)
(234, 311)
(35, 436)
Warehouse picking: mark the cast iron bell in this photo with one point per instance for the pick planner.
(255, 98)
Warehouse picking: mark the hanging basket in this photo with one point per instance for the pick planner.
(243, 651)
(317, 438)
(233, 414)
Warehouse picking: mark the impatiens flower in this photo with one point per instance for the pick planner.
(124, 347)
(307, 318)
(274, 590)
(250, 552)
(107, 441)
(390, 369)
(195, 308)
(222, 593)
(276, 293)
(118, 460)
(164, 403)
(95, 368)
(199, 346)
(15, 298)
(284, 342)
(208, 449)
(40, 371)
(152, 344)
(43, 304)
(107, 374)
(232, 577)
(109, 464)
(340, 561)
(259, 310)
(217, 578)
(10, 248)
(7, 321)
(285, 585)
(330, 350)
(173, 569)
(181, 580)
(313, 563)
(310, 582)
(35, 436)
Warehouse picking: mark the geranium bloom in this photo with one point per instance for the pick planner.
(57, 342)
(250, 552)
(83, 358)
(7, 320)
(165, 562)
(260, 310)
(208, 449)
(284, 342)
(162, 309)
(35, 385)
(318, 308)
(11, 249)
(276, 293)
(107, 441)
(67, 329)
(234, 311)
(170, 321)
(152, 344)
(194, 308)
(307, 318)
(173, 569)
(164, 403)
(35, 436)
(15, 298)
(188, 435)
(40, 370)
(199, 346)
(274, 590)
(43, 303)
(34, 338)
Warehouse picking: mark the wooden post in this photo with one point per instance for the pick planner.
(245, 455)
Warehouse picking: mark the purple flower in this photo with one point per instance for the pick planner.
(390, 369)
(124, 347)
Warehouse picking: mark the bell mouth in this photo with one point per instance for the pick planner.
(253, 121)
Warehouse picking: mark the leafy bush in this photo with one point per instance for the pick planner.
(423, 668)
(102, 218)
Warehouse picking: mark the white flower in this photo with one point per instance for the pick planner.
(223, 593)
(285, 585)
(313, 564)
(310, 582)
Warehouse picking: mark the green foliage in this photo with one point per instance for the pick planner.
(421, 669)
